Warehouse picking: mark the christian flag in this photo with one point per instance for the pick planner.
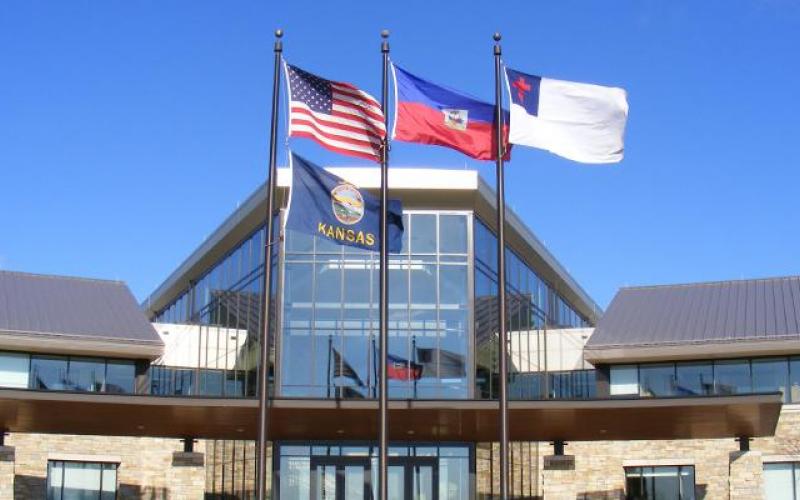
(329, 207)
(428, 113)
(578, 121)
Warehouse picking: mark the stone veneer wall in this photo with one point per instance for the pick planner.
(144, 470)
(599, 466)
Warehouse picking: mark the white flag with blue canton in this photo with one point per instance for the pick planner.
(578, 121)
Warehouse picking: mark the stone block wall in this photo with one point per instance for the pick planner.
(144, 463)
(7, 454)
(721, 471)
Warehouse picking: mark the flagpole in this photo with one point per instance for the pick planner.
(383, 442)
(263, 392)
(501, 270)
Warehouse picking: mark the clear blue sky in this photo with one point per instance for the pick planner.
(129, 130)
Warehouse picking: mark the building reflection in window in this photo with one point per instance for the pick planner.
(330, 314)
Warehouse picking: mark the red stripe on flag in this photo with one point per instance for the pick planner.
(367, 99)
(333, 124)
(348, 152)
(416, 122)
(375, 116)
(368, 125)
(336, 137)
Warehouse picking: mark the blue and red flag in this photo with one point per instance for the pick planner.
(398, 368)
(431, 114)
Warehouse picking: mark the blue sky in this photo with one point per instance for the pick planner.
(129, 130)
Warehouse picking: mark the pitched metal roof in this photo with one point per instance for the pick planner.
(34, 304)
(701, 313)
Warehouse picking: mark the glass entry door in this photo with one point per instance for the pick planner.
(413, 478)
(340, 478)
(353, 478)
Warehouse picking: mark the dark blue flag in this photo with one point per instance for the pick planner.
(326, 206)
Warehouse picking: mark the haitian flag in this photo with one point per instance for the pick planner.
(398, 368)
(326, 206)
(431, 114)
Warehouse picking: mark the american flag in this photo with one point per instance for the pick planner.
(337, 115)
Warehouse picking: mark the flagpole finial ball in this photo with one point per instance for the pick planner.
(278, 33)
(497, 37)
(384, 33)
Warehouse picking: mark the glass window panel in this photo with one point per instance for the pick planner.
(49, 372)
(624, 380)
(732, 377)
(357, 283)
(184, 382)
(687, 482)
(81, 480)
(633, 483)
(328, 288)
(794, 380)
(485, 246)
(453, 289)
(14, 370)
(423, 285)
(778, 481)
(86, 374)
(211, 382)
(771, 375)
(120, 377)
(423, 233)
(109, 482)
(694, 379)
(297, 241)
(298, 279)
(452, 233)
(295, 477)
(656, 380)
(55, 480)
(297, 346)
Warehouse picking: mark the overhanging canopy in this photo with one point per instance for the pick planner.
(419, 420)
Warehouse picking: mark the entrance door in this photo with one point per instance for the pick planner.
(350, 478)
(420, 477)
(340, 478)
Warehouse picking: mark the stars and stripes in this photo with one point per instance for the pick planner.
(337, 115)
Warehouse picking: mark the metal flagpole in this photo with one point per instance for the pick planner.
(263, 393)
(501, 271)
(383, 442)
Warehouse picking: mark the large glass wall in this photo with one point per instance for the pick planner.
(330, 314)
(225, 303)
(533, 306)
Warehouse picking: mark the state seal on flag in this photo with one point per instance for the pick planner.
(455, 118)
(347, 203)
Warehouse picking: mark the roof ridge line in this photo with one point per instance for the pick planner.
(59, 276)
(710, 282)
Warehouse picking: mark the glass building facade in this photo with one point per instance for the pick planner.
(442, 318)
(442, 345)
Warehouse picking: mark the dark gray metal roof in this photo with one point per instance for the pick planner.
(724, 311)
(58, 305)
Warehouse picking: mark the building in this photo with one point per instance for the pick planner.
(649, 396)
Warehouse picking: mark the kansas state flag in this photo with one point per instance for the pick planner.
(327, 206)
